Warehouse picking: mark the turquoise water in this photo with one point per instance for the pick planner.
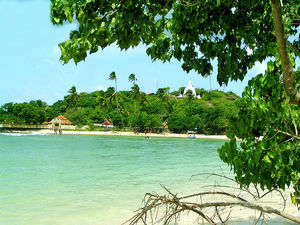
(91, 180)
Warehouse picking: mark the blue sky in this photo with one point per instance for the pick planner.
(30, 68)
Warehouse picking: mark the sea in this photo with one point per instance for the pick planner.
(98, 180)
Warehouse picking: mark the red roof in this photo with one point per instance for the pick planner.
(63, 120)
(106, 122)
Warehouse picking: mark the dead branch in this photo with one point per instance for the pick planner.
(168, 208)
(197, 208)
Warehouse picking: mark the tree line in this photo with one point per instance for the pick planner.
(133, 109)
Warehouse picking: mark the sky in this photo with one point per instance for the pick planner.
(30, 68)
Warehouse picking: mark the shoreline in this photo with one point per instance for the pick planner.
(120, 133)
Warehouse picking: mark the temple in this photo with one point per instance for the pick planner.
(189, 87)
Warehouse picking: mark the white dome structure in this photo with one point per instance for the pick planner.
(190, 88)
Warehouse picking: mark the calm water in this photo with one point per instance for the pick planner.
(91, 180)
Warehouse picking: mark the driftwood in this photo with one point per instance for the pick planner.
(168, 208)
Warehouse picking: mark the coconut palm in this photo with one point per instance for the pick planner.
(164, 98)
(72, 98)
(163, 94)
(143, 99)
(110, 96)
(113, 76)
(132, 78)
(135, 89)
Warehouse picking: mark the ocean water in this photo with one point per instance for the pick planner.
(93, 180)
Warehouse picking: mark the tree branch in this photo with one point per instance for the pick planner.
(172, 202)
(288, 134)
(287, 68)
(250, 205)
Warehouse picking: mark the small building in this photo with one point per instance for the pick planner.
(63, 120)
(57, 122)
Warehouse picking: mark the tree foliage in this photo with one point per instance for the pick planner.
(236, 33)
(268, 127)
(134, 109)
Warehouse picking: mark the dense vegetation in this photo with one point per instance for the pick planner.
(133, 109)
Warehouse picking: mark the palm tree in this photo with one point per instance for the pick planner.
(132, 78)
(72, 98)
(110, 97)
(100, 98)
(135, 91)
(112, 76)
(143, 99)
(164, 97)
(163, 94)
(135, 94)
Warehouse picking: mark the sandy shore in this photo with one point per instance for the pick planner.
(118, 133)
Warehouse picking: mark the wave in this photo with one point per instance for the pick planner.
(23, 134)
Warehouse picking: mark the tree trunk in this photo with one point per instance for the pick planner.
(287, 68)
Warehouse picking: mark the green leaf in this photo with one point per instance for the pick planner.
(267, 159)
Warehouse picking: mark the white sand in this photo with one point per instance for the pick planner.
(118, 133)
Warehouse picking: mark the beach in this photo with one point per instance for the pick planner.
(122, 133)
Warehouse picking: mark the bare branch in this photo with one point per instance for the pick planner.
(169, 207)
(197, 208)
(214, 193)
(283, 198)
(288, 134)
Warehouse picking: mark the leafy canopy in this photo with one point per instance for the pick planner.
(268, 125)
(236, 33)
